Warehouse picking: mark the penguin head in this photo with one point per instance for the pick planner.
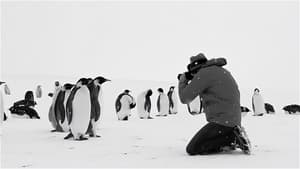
(56, 83)
(256, 91)
(126, 91)
(160, 90)
(29, 96)
(100, 80)
(82, 82)
(1, 83)
(68, 86)
(90, 80)
(149, 92)
(172, 88)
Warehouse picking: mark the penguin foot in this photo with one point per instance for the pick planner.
(54, 130)
(150, 117)
(94, 135)
(81, 138)
(68, 136)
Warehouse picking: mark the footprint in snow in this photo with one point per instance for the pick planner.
(26, 165)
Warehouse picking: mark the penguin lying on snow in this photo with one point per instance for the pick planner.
(269, 108)
(292, 109)
(244, 109)
(25, 108)
(124, 103)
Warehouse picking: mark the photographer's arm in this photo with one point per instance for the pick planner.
(188, 91)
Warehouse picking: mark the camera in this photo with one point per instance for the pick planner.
(188, 75)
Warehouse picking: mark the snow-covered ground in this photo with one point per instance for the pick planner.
(159, 142)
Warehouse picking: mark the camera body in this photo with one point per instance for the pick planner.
(192, 68)
(196, 65)
(188, 75)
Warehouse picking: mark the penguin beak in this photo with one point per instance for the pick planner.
(107, 80)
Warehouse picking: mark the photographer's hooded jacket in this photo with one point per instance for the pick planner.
(219, 91)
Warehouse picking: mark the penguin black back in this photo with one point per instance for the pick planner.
(147, 105)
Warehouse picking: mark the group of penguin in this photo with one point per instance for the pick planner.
(75, 108)
(166, 104)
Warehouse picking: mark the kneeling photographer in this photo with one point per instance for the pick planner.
(221, 102)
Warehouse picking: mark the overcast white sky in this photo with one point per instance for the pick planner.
(152, 40)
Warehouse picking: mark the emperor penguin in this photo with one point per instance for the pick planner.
(144, 104)
(51, 114)
(162, 103)
(258, 104)
(173, 103)
(124, 103)
(60, 108)
(1, 104)
(94, 87)
(195, 106)
(38, 91)
(79, 110)
(3, 116)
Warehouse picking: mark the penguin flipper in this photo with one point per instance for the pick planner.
(68, 136)
(158, 104)
(253, 107)
(69, 108)
(97, 112)
(62, 109)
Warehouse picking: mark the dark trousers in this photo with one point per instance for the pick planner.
(210, 138)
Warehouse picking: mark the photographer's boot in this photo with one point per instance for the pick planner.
(242, 139)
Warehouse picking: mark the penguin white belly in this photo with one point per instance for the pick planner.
(125, 110)
(195, 105)
(142, 113)
(174, 99)
(81, 112)
(164, 105)
(65, 126)
(259, 105)
(1, 107)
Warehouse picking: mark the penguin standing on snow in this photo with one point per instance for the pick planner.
(195, 106)
(124, 103)
(162, 103)
(60, 108)
(258, 104)
(144, 104)
(2, 113)
(79, 110)
(51, 114)
(172, 101)
(94, 87)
